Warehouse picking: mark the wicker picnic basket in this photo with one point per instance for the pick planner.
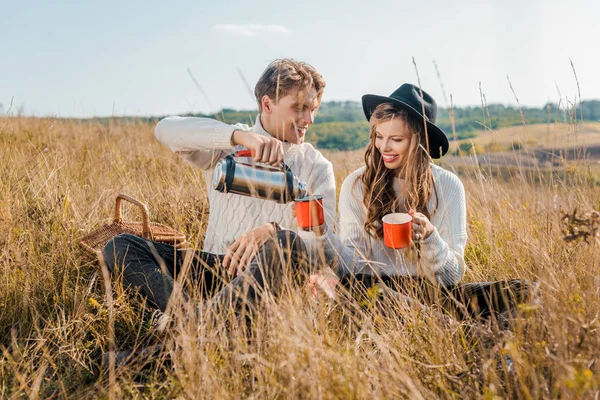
(95, 241)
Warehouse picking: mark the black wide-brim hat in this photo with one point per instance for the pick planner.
(408, 97)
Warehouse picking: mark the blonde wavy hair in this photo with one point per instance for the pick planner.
(379, 197)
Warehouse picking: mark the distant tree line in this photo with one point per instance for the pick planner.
(342, 125)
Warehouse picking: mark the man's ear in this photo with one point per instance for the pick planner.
(266, 104)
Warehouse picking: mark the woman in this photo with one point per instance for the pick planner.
(398, 176)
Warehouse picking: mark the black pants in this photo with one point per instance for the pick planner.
(465, 300)
(154, 268)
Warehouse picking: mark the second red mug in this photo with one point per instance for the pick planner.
(309, 211)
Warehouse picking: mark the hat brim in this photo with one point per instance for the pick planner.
(438, 141)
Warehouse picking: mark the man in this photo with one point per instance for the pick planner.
(245, 235)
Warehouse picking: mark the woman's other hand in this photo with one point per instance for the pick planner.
(324, 282)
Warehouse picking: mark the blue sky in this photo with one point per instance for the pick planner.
(131, 57)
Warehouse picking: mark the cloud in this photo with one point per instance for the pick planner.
(251, 29)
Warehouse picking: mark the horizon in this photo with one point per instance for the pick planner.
(11, 113)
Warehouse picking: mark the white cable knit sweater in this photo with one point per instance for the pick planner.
(204, 141)
(442, 252)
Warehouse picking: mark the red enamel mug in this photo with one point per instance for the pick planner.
(397, 230)
(309, 211)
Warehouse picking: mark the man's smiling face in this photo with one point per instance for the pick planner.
(290, 117)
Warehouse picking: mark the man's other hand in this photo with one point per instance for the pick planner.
(243, 250)
(265, 149)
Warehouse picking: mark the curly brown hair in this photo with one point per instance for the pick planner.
(378, 181)
(284, 75)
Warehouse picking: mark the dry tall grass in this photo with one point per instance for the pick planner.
(559, 135)
(59, 181)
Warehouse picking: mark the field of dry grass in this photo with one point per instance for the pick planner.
(547, 135)
(59, 180)
(554, 135)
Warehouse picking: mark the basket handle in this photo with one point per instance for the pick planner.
(146, 232)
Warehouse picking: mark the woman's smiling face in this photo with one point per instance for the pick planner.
(392, 139)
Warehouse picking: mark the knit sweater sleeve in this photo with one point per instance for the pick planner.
(201, 141)
(443, 251)
(322, 182)
(329, 249)
(355, 250)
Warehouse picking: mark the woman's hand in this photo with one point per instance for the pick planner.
(421, 226)
(323, 282)
(318, 230)
(243, 250)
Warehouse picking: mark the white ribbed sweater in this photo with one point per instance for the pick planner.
(442, 252)
(204, 141)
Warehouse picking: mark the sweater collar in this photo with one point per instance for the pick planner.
(258, 128)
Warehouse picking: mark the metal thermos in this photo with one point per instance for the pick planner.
(265, 182)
